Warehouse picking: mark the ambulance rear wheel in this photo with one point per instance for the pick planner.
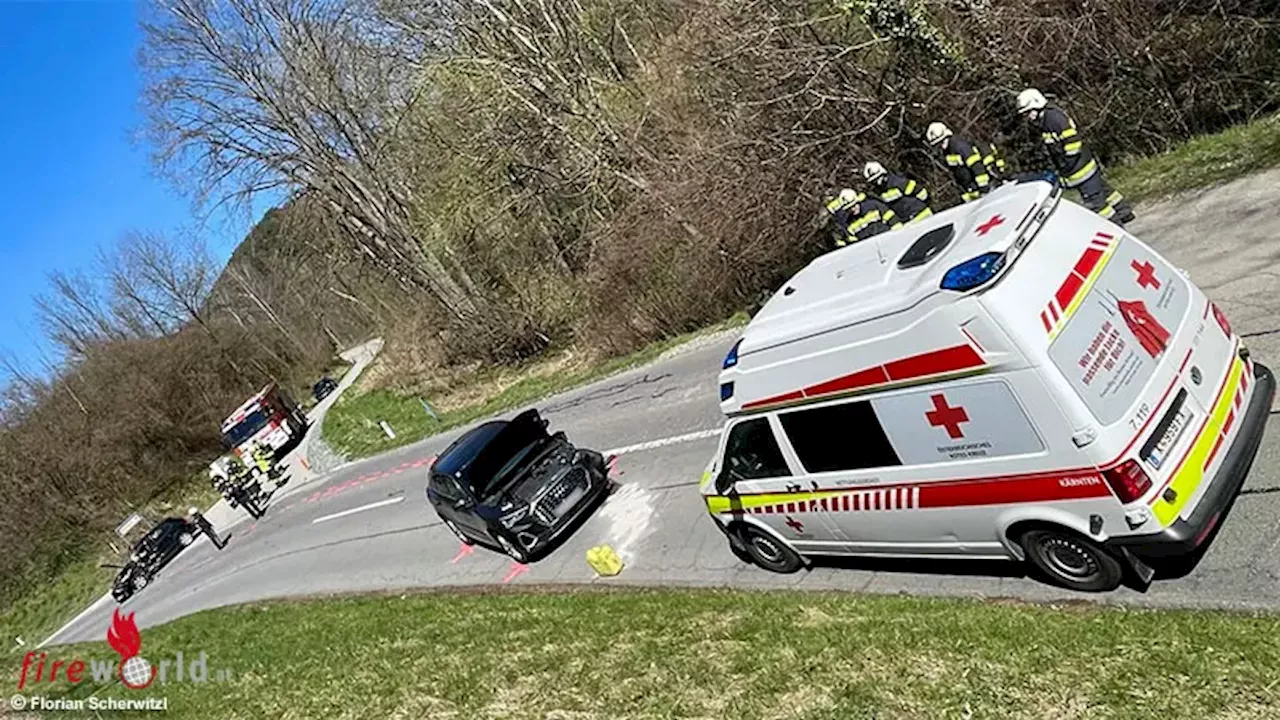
(1072, 560)
(769, 552)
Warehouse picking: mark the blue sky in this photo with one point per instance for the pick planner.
(72, 179)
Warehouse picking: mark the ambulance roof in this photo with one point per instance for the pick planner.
(867, 280)
(249, 406)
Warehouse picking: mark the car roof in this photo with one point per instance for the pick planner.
(865, 280)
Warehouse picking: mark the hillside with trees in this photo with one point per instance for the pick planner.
(483, 180)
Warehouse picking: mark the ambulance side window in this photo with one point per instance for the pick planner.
(752, 452)
(847, 436)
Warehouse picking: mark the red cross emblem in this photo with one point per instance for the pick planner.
(795, 525)
(948, 417)
(989, 225)
(1146, 274)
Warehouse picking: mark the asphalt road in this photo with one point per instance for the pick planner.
(367, 526)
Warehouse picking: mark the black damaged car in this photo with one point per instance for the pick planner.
(512, 486)
(155, 550)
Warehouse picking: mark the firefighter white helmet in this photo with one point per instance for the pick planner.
(1031, 100)
(832, 202)
(873, 171)
(192, 512)
(937, 133)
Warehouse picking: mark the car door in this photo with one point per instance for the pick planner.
(770, 491)
(459, 507)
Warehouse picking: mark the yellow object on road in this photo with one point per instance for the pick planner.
(604, 561)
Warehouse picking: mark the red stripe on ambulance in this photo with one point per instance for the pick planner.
(1006, 490)
(935, 362)
(1074, 282)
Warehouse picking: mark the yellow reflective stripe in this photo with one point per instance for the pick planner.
(971, 195)
(1049, 137)
(1107, 211)
(911, 187)
(1190, 473)
(1069, 132)
(982, 179)
(895, 226)
(923, 195)
(1073, 148)
(1083, 173)
(891, 194)
(863, 221)
(955, 160)
(1114, 197)
(973, 159)
(834, 205)
(890, 216)
(706, 480)
(927, 212)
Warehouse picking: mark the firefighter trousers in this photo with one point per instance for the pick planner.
(1100, 198)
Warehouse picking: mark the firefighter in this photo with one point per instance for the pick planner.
(1077, 167)
(197, 518)
(976, 167)
(908, 199)
(238, 485)
(856, 217)
(263, 457)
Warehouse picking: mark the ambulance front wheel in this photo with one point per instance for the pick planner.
(1072, 560)
(769, 552)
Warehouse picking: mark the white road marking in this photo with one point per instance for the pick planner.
(663, 442)
(362, 508)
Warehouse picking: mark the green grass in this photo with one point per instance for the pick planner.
(351, 425)
(50, 602)
(712, 654)
(1202, 161)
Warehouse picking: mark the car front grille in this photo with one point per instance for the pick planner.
(557, 492)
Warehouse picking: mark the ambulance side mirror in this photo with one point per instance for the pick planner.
(724, 483)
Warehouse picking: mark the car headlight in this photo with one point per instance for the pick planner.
(510, 519)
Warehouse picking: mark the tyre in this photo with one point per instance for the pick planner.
(769, 552)
(1071, 560)
(510, 548)
(185, 539)
(454, 528)
(139, 583)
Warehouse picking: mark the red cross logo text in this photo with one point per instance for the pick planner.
(795, 525)
(948, 417)
(992, 224)
(1146, 274)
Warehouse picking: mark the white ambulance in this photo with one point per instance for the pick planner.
(1014, 378)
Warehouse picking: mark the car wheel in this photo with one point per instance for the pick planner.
(769, 552)
(139, 583)
(463, 538)
(510, 548)
(1072, 560)
(185, 539)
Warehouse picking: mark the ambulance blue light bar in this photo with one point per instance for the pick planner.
(732, 358)
(973, 272)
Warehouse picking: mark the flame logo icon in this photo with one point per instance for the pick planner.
(123, 636)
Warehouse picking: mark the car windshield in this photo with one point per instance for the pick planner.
(492, 451)
(242, 431)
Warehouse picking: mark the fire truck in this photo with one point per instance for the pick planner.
(270, 417)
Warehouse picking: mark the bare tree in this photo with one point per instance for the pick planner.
(247, 96)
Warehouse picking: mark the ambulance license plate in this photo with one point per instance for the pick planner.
(1172, 434)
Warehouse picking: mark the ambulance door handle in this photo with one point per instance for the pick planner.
(1084, 437)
